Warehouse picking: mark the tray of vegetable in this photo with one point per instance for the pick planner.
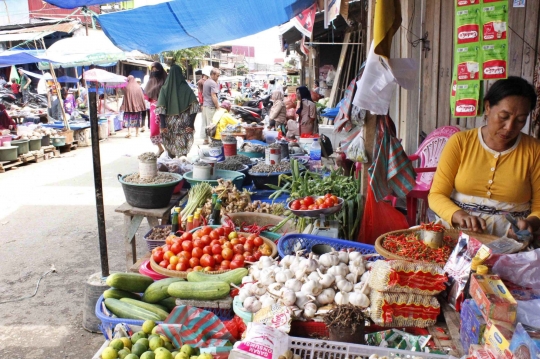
(315, 206)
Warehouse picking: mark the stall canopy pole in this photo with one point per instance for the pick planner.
(59, 95)
(98, 186)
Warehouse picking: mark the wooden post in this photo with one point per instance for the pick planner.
(335, 86)
(57, 85)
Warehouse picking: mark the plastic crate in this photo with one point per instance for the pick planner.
(314, 349)
(237, 308)
(262, 195)
(151, 244)
(290, 243)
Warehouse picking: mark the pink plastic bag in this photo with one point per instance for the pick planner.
(520, 268)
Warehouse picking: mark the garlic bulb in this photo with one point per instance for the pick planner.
(300, 273)
(314, 276)
(338, 270)
(353, 256)
(343, 256)
(362, 288)
(243, 294)
(309, 265)
(267, 301)
(327, 296)
(312, 287)
(288, 296)
(255, 272)
(326, 279)
(284, 275)
(329, 259)
(287, 261)
(303, 298)
(359, 300)
(275, 289)
(365, 277)
(309, 310)
(344, 285)
(258, 289)
(294, 284)
(342, 298)
(252, 304)
(265, 262)
(267, 276)
(247, 279)
(351, 277)
(357, 268)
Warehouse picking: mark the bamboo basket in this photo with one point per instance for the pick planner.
(454, 233)
(178, 274)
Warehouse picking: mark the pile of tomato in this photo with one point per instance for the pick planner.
(210, 249)
(309, 203)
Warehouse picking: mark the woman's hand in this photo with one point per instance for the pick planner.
(466, 221)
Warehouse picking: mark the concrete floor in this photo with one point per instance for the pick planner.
(48, 216)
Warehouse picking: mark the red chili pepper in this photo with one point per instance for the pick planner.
(411, 247)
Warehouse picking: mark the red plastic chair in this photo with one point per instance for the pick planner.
(428, 154)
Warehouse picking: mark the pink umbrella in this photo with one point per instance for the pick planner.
(108, 79)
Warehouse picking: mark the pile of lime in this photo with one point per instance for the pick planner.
(148, 344)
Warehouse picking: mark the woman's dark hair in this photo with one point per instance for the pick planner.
(101, 96)
(304, 94)
(272, 82)
(512, 86)
(160, 70)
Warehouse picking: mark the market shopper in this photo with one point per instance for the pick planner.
(278, 112)
(143, 114)
(177, 107)
(487, 172)
(25, 84)
(222, 118)
(158, 75)
(133, 106)
(200, 85)
(6, 122)
(69, 101)
(306, 111)
(16, 88)
(210, 101)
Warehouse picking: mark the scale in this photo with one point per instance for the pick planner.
(322, 226)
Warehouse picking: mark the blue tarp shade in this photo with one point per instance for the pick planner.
(67, 79)
(182, 24)
(9, 58)
(72, 4)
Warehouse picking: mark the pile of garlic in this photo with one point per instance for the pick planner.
(307, 284)
(38, 133)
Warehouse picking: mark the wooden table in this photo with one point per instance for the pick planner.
(133, 217)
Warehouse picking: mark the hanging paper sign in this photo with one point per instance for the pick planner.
(494, 19)
(334, 7)
(468, 25)
(305, 21)
(467, 2)
(494, 64)
(467, 95)
(467, 60)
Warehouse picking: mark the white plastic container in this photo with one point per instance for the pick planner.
(103, 127)
(148, 169)
(202, 172)
(272, 155)
(270, 136)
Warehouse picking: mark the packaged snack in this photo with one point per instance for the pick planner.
(261, 342)
(467, 2)
(397, 339)
(403, 309)
(277, 316)
(472, 326)
(480, 352)
(492, 298)
(494, 20)
(498, 336)
(400, 276)
(468, 24)
(468, 62)
(525, 344)
(467, 99)
(494, 60)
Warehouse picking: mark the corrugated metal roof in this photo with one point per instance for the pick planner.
(24, 36)
(62, 27)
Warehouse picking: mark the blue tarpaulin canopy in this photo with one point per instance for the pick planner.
(182, 24)
(67, 79)
(71, 4)
(20, 57)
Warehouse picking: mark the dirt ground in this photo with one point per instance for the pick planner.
(48, 217)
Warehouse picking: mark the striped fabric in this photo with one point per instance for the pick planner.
(196, 327)
(343, 117)
(391, 171)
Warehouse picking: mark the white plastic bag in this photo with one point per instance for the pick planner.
(528, 314)
(330, 77)
(261, 342)
(520, 268)
(356, 151)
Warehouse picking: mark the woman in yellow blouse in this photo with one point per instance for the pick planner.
(493, 170)
(223, 118)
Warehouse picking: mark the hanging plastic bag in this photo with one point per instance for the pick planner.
(330, 77)
(379, 218)
(520, 268)
(356, 151)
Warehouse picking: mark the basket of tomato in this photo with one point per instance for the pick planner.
(212, 249)
(314, 206)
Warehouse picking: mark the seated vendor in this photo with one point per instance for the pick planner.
(487, 172)
(223, 118)
(6, 122)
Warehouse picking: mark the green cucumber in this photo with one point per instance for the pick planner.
(234, 276)
(199, 290)
(158, 290)
(129, 311)
(163, 314)
(168, 303)
(131, 282)
(119, 294)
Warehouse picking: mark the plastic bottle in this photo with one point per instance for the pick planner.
(215, 216)
(315, 153)
(197, 219)
(174, 221)
(482, 270)
(475, 264)
(179, 211)
(189, 223)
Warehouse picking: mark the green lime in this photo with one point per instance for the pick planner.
(109, 353)
(148, 326)
(175, 353)
(163, 354)
(181, 356)
(144, 342)
(135, 337)
(117, 344)
(127, 342)
(122, 354)
(156, 343)
(138, 349)
(186, 348)
(148, 355)
(154, 330)
(169, 346)
(131, 356)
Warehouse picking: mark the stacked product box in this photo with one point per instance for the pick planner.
(525, 344)
(473, 325)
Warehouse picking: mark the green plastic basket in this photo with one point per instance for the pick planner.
(236, 177)
(252, 154)
(238, 310)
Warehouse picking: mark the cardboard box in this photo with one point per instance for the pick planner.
(479, 352)
(524, 345)
(493, 298)
(472, 326)
(498, 336)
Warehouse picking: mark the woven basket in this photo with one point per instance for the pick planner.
(453, 233)
(178, 274)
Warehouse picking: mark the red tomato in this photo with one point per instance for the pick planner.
(242, 240)
(206, 230)
(185, 254)
(207, 260)
(198, 233)
(295, 205)
(197, 252)
(250, 259)
(329, 202)
(324, 205)
(258, 241)
(257, 255)
(303, 208)
(182, 266)
(183, 260)
(312, 207)
(189, 270)
(238, 249)
(208, 269)
(222, 240)
(227, 245)
(220, 231)
(197, 243)
(214, 235)
(308, 200)
(193, 262)
(187, 245)
(319, 201)
(328, 195)
(216, 249)
(168, 255)
(166, 248)
(238, 257)
(207, 250)
(227, 231)
(206, 240)
(198, 269)
(173, 261)
(214, 242)
(235, 241)
(218, 258)
(176, 248)
(235, 265)
(164, 263)
(186, 236)
(171, 267)
(227, 253)
(158, 256)
(335, 199)
(249, 246)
